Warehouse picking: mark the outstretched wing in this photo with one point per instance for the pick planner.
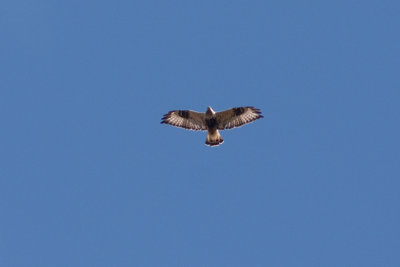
(236, 117)
(187, 119)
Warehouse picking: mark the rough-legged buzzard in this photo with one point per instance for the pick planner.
(212, 121)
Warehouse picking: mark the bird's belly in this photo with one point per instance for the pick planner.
(211, 124)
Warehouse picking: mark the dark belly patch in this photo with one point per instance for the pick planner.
(211, 123)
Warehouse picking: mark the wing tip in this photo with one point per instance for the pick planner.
(164, 119)
(257, 111)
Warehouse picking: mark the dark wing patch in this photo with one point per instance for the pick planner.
(183, 113)
(238, 111)
(186, 119)
(236, 117)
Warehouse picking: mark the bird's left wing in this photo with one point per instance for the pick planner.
(236, 117)
(187, 119)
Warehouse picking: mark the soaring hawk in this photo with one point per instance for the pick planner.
(212, 121)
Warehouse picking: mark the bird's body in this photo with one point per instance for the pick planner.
(212, 121)
(213, 137)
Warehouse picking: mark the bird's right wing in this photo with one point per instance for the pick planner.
(236, 117)
(187, 119)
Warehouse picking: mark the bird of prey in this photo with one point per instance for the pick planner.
(212, 121)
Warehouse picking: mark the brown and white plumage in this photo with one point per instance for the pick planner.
(236, 117)
(186, 119)
(212, 121)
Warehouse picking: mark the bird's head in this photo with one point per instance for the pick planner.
(210, 111)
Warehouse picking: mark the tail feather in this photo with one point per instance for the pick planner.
(214, 139)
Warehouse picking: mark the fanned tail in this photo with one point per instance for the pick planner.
(214, 139)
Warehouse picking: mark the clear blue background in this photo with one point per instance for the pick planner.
(88, 176)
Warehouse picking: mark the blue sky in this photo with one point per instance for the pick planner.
(89, 177)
